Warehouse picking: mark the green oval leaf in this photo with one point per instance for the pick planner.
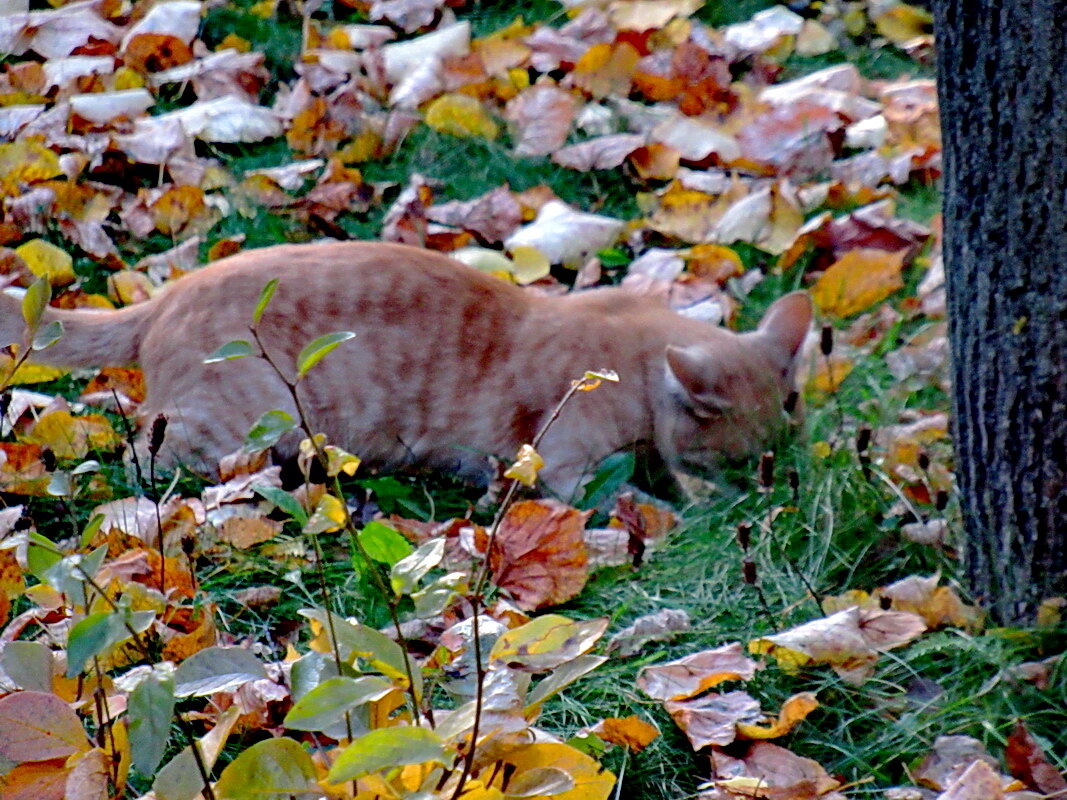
(283, 500)
(48, 335)
(327, 704)
(275, 769)
(264, 299)
(151, 712)
(318, 349)
(408, 571)
(35, 301)
(238, 348)
(91, 637)
(29, 665)
(386, 748)
(268, 429)
(383, 543)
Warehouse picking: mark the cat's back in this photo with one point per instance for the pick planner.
(356, 273)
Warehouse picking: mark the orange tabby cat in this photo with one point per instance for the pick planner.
(447, 366)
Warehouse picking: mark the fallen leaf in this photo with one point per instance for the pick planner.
(1028, 762)
(73, 437)
(848, 641)
(461, 115)
(603, 152)
(693, 674)
(538, 555)
(793, 711)
(978, 782)
(767, 770)
(858, 280)
(713, 719)
(566, 236)
(541, 117)
(661, 626)
(632, 732)
(45, 260)
(949, 758)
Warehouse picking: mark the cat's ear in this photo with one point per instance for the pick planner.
(786, 324)
(694, 376)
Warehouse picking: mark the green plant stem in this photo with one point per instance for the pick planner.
(476, 598)
(351, 529)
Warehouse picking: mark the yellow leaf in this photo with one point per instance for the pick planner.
(176, 207)
(795, 709)
(364, 147)
(12, 581)
(127, 286)
(29, 373)
(903, 22)
(606, 69)
(26, 162)
(858, 280)
(339, 461)
(45, 260)
(236, 42)
(529, 264)
(591, 780)
(1050, 612)
(73, 437)
(829, 373)
(330, 515)
(264, 9)
(126, 78)
(461, 115)
(821, 449)
(526, 466)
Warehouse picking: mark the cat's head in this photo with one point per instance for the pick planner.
(726, 398)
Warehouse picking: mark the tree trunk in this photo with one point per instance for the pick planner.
(1002, 73)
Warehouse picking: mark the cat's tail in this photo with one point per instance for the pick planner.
(90, 338)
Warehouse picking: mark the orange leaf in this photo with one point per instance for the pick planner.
(21, 470)
(794, 710)
(36, 780)
(631, 732)
(655, 161)
(125, 381)
(539, 555)
(155, 52)
(177, 207)
(858, 280)
(606, 69)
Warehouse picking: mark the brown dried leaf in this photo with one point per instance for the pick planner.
(603, 152)
(978, 782)
(713, 718)
(538, 556)
(542, 117)
(688, 676)
(1027, 762)
(937, 605)
(767, 770)
(661, 626)
(948, 759)
(848, 641)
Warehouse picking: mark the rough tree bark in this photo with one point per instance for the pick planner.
(1002, 72)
